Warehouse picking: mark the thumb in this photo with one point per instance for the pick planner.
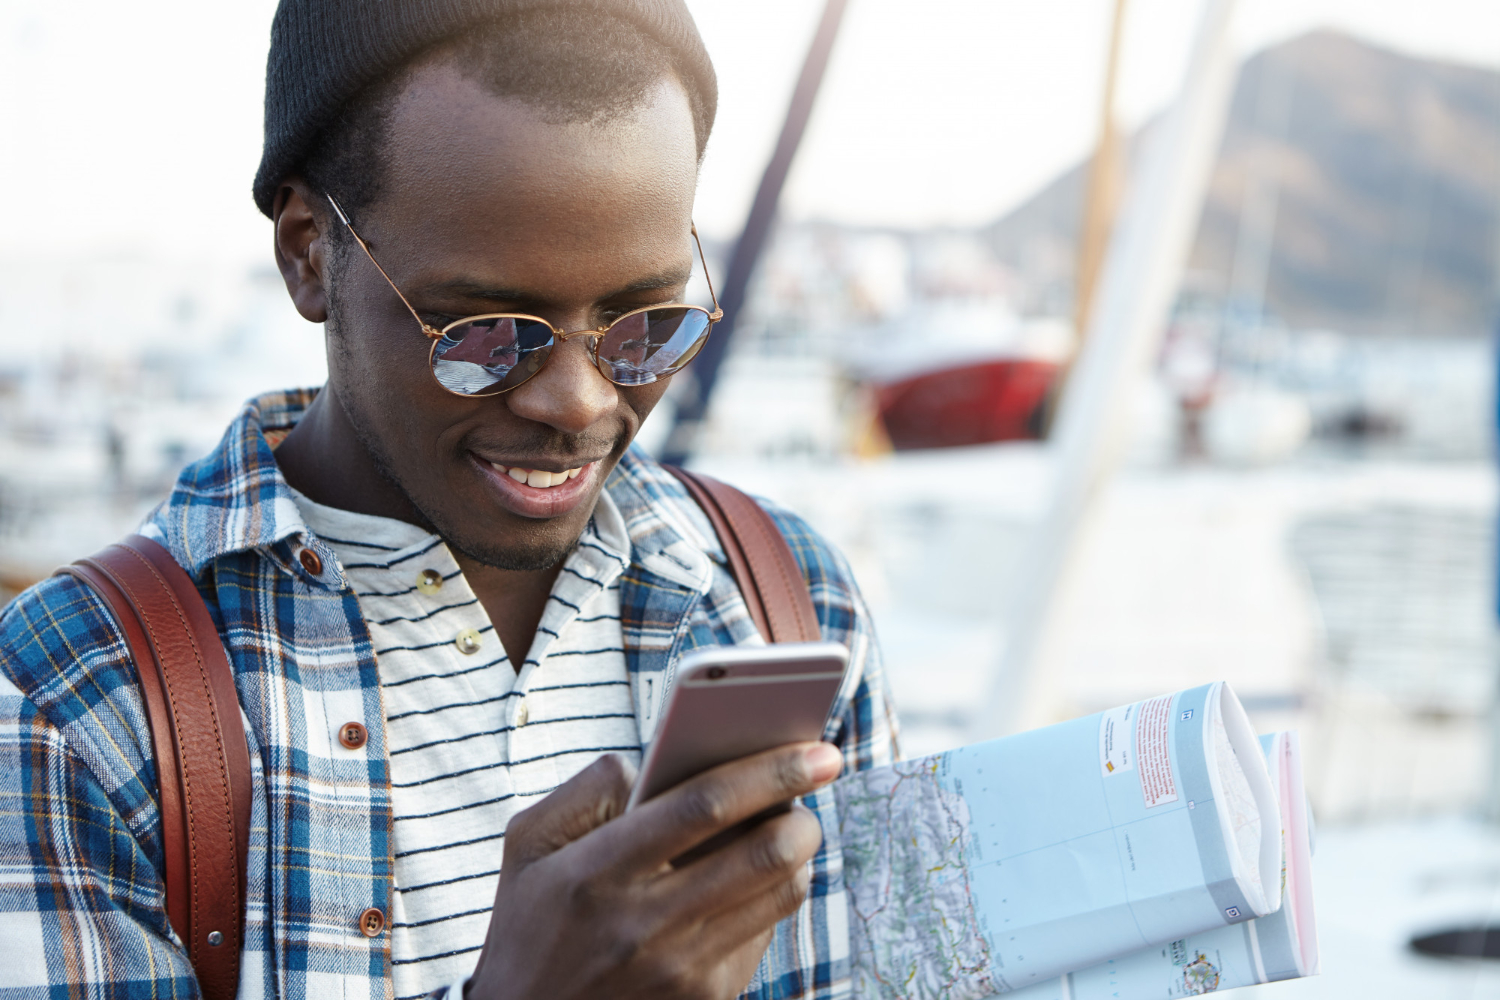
(583, 803)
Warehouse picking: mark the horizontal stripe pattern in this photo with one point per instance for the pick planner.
(464, 758)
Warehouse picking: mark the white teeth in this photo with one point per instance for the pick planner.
(538, 478)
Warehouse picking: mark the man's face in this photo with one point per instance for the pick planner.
(490, 208)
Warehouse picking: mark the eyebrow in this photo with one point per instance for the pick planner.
(469, 289)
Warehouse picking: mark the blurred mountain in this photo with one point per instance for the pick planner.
(1357, 189)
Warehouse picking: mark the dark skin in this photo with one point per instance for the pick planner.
(489, 207)
(572, 223)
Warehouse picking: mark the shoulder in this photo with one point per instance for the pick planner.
(59, 644)
(66, 667)
(658, 509)
(823, 565)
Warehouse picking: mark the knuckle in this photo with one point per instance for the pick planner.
(520, 832)
(588, 897)
(521, 823)
(775, 851)
(613, 771)
(704, 805)
(625, 945)
(791, 777)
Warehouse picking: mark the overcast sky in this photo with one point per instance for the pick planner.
(136, 127)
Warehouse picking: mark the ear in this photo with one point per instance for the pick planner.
(301, 249)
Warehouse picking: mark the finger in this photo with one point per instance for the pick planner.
(583, 803)
(732, 928)
(752, 864)
(683, 817)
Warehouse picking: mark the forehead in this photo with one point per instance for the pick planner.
(471, 176)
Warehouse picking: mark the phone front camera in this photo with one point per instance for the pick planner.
(714, 673)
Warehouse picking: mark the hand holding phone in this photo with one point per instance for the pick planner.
(733, 701)
(593, 905)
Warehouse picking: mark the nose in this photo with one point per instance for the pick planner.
(568, 394)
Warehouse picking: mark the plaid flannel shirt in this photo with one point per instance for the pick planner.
(81, 892)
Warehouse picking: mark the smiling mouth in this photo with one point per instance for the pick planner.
(536, 478)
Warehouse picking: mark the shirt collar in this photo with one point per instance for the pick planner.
(235, 499)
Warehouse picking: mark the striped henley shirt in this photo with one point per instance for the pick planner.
(473, 737)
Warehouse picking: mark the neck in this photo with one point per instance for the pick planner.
(325, 460)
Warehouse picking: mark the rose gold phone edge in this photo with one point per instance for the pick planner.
(761, 672)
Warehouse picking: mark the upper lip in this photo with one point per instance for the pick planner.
(540, 465)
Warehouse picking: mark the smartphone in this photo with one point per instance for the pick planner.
(733, 701)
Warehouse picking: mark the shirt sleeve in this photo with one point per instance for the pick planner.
(869, 733)
(81, 897)
(865, 726)
(809, 955)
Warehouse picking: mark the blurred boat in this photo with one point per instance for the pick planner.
(978, 403)
(947, 373)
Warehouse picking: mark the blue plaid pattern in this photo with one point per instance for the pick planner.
(81, 893)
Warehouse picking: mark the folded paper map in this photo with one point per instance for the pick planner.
(1281, 945)
(1007, 864)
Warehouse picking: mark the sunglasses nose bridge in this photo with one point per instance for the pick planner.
(595, 332)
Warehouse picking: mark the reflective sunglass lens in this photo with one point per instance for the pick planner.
(646, 346)
(491, 355)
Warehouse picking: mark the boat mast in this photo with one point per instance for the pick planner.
(692, 399)
(1105, 181)
(1137, 284)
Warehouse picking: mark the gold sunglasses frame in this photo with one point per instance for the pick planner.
(594, 334)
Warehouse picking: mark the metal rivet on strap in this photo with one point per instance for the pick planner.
(215, 938)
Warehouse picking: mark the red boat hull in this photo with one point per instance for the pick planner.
(970, 404)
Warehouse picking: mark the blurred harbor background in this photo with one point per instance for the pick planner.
(1307, 503)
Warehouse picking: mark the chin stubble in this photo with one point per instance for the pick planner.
(510, 558)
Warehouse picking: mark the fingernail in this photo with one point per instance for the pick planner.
(823, 762)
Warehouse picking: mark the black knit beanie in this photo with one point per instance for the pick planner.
(324, 52)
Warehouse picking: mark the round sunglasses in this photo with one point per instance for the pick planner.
(492, 353)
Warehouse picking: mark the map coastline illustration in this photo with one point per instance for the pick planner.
(1117, 855)
(915, 930)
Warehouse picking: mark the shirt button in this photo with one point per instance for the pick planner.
(371, 922)
(353, 735)
(467, 641)
(429, 581)
(523, 714)
(310, 562)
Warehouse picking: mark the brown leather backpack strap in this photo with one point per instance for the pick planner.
(163, 742)
(759, 557)
(202, 761)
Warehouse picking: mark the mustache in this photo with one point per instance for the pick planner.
(547, 442)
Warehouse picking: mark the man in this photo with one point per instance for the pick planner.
(453, 610)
